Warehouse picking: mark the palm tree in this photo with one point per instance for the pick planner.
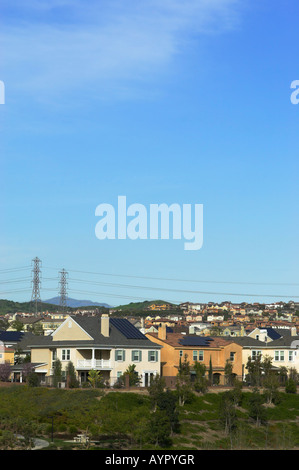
(94, 377)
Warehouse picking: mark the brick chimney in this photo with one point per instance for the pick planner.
(105, 325)
(293, 331)
(162, 332)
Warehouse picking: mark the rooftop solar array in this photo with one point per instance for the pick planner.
(11, 336)
(126, 328)
(195, 341)
(273, 334)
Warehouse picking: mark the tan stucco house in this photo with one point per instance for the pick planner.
(106, 344)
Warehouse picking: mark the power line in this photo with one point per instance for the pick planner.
(12, 281)
(163, 289)
(22, 268)
(181, 280)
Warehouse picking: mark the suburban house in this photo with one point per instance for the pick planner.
(14, 346)
(217, 350)
(28, 322)
(106, 344)
(283, 350)
(271, 334)
(234, 330)
(14, 350)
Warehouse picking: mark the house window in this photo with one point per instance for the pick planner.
(153, 356)
(279, 356)
(120, 355)
(255, 354)
(119, 374)
(136, 356)
(200, 355)
(257, 337)
(54, 357)
(181, 353)
(66, 354)
(232, 356)
(291, 356)
(194, 355)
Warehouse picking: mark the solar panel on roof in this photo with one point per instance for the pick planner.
(273, 334)
(195, 341)
(11, 335)
(126, 328)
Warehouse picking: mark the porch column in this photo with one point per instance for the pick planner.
(93, 362)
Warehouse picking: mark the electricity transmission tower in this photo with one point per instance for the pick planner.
(63, 289)
(36, 282)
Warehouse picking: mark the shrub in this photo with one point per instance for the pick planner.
(291, 386)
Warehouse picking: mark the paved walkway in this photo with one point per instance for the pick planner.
(40, 444)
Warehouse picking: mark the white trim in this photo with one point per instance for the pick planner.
(68, 319)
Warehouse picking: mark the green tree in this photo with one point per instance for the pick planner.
(155, 389)
(37, 329)
(134, 379)
(228, 372)
(17, 325)
(256, 409)
(266, 365)
(271, 385)
(293, 374)
(210, 372)
(168, 402)
(57, 372)
(201, 381)
(32, 379)
(159, 429)
(236, 393)
(227, 414)
(94, 378)
(71, 378)
(283, 374)
(183, 382)
(290, 386)
(254, 367)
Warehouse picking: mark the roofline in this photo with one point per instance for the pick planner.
(67, 319)
(96, 345)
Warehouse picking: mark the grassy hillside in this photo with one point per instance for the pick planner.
(142, 308)
(121, 420)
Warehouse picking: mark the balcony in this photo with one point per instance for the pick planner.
(97, 364)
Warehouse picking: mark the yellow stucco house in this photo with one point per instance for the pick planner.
(106, 344)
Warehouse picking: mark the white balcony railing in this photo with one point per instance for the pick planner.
(93, 364)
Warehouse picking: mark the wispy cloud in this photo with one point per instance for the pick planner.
(55, 47)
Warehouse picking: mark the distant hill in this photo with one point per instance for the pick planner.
(9, 306)
(144, 306)
(74, 303)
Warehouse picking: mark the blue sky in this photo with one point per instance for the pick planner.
(174, 102)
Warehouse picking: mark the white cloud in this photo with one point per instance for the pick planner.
(107, 46)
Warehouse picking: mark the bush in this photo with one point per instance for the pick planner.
(291, 386)
(73, 429)
(32, 379)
